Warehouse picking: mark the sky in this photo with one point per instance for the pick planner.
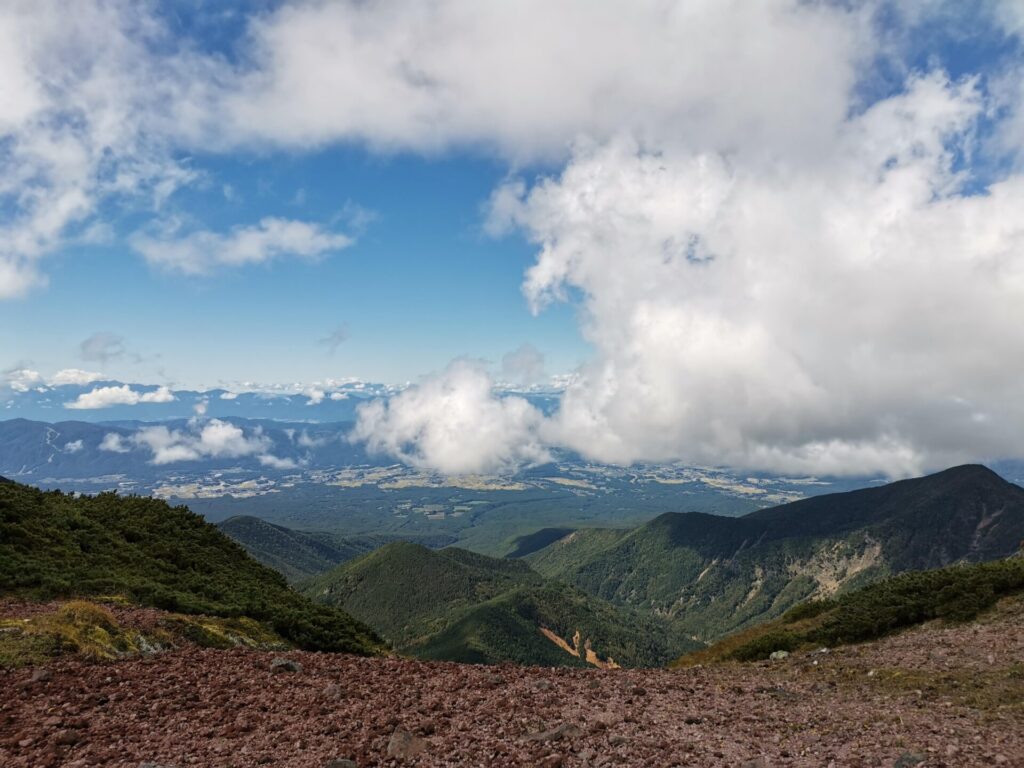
(783, 236)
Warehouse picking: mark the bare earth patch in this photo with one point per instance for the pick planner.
(932, 697)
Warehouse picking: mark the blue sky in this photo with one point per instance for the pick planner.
(422, 284)
(767, 237)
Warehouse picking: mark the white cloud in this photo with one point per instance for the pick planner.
(275, 462)
(90, 95)
(159, 395)
(22, 379)
(524, 365)
(74, 376)
(453, 423)
(200, 253)
(821, 314)
(105, 397)
(228, 395)
(114, 443)
(305, 440)
(73, 446)
(212, 439)
(398, 75)
(772, 271)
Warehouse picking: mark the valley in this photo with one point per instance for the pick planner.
(683, 638)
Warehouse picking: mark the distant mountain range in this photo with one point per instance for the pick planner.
(708, 576)
(38, 451)
(99, 399)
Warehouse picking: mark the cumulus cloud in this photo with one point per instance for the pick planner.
(799, 283)
(112, 442)
(776, 268)
(452, 423)
(426, 76)
(74, 376)
(22, 379)
(275, 462)
(200, 440)
(200, 253)
(305, 440)
(524, 365)
(315, 395)
(820, 314)
(73, 446)
(105, 397)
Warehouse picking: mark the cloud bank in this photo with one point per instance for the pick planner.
(105, 397)
(201, 440)
(795, 246)
(802, 283)
(452, 423)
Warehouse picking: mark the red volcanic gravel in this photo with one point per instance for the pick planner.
(940, 697)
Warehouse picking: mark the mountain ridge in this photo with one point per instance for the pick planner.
(456, 605)
(712, 575)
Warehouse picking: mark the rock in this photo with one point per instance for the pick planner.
(340, 762)
(638, 691)
(66, 738)
(40, 676)
(405, 745)
(493, 681)
(617, 740)
(779, 655)
(693, 720)
(156, 765)
(335, 691)
(543, 685)
(758, 762)
(907, 760)
(285, 665)
(563, 731)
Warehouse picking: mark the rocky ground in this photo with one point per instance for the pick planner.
(933, 697)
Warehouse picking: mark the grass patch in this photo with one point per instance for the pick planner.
(89, 630)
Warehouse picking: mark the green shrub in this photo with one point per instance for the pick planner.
(59, 545)
(957, 593)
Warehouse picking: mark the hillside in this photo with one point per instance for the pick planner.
(713, 575)
(296, 554)
(57, 545)
(457, 605)
(957, 593)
